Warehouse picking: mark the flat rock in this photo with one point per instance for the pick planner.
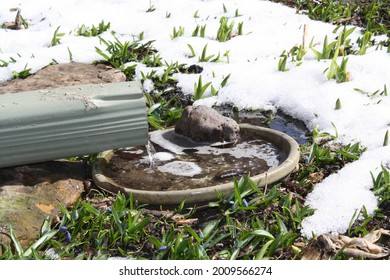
(204, 124)
(61, 75)
(30, 193)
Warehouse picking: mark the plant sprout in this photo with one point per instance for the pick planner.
(225, 30)
(177, 32)
(338, 104)
(56, 37)
(206, 58)
(199, 88)
(22, 74)
(93, 31)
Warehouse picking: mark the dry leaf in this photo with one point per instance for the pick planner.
(327, 245)
(45, 208)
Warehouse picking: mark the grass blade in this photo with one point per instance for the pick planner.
(41, 241)
(193, 233)
(18, 246)
(262, 233)
(263, 250)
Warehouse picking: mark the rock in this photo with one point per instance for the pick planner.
(61, 75)
(30, 193)
(204, 124)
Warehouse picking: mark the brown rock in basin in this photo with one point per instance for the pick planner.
(204, 124)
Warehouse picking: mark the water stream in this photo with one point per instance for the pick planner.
(151, 154)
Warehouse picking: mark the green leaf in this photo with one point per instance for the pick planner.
(199, 88)
(46, 226)
(282, 63)
(196, 31)
(262, 233)
(282, 227)
(278, 241)
(70, 54)
(155, 241)
(263, 250)
(210, 228)
(192, 50)
(140, 225)
(100, 52)
(237, 192)
(153, 121)
(386, 140)
(214, 92)
(203, 31)
(18, 246)
(41, 241)
(224, 82)
(152, 108)
(338, 104)
(204, 51)
(117, 220)
(224, 8)
(193, 233)
(204, 57)
(65, 212)
(352, 221)
(90, 208)
(205, 87)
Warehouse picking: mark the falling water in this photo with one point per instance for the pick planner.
(152, 154)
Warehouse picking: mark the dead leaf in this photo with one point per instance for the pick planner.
(327, 245)
(45, 208)
(316, 177)
(17, 24)
(187, 221)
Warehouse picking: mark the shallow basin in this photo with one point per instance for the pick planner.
(174, 193)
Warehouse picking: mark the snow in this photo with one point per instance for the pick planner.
(339, 195)
(164, 156)
(302, 92)
(181, 168)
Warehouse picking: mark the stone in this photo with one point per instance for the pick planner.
(205, 124)
(62, 75)
(30, 193)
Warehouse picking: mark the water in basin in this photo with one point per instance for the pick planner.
(173, 162)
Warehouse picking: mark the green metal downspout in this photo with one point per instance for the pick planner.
(51, 124)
